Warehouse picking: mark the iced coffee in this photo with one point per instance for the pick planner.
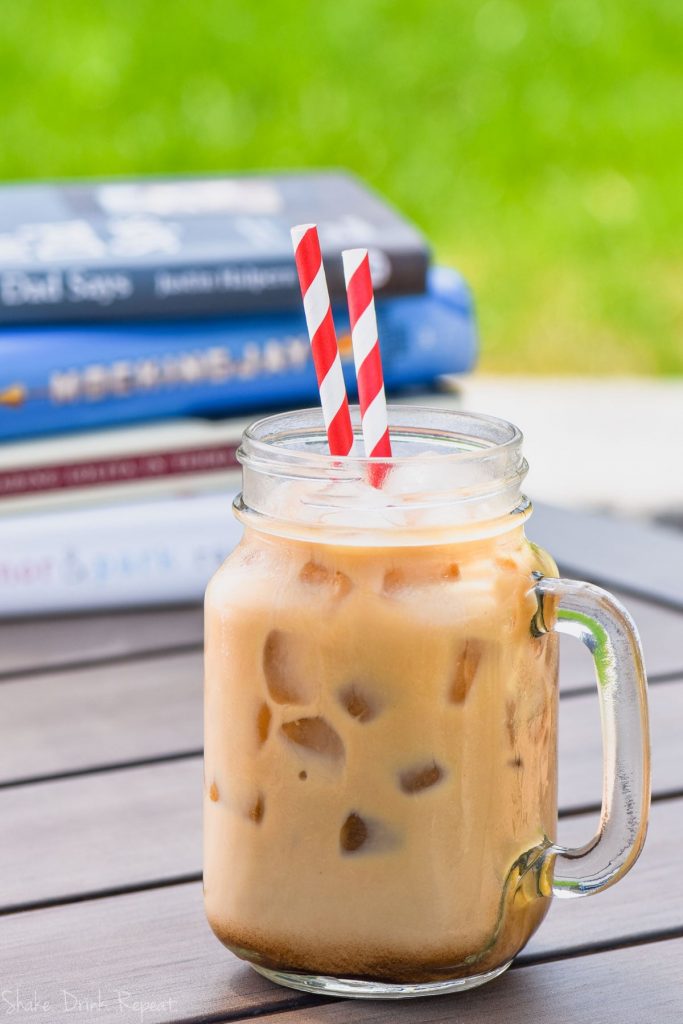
(380, 754)
(381, 714)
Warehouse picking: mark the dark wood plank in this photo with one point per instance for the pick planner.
(131, 826)
(97, 832)
(580, 778)
(156, 946)
(112, 714)
(582, 991)
(41, 643)
(637, 557)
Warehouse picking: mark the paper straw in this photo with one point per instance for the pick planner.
(366, 353)
(328, 368)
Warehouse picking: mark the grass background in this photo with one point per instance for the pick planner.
(537, 142)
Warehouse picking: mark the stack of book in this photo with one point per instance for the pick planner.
(142, 325)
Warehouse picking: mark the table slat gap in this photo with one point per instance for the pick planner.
(91, 896)
(606, 946)
(153, 653)
(102, 769)
(299, 1002)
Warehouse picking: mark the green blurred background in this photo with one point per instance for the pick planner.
(537, 143)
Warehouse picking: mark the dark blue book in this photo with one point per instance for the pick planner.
(65, 378)
(179, 247)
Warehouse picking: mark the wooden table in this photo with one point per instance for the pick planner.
(100, 806)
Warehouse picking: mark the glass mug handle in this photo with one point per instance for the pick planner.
(607, 630)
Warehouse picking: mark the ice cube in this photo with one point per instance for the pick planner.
(314, 574)
(466, 667)
(341, 585)
(353, 833)
(315, 735)
(507, 563)
(420, 777)
(263, 720)
(358, 702)
(284, 666)
(335, 584)
(394, 581)
(450, 572)
(257, 809)
(367, 835)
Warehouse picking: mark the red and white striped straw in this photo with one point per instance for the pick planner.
(328, 368)
(366, 353)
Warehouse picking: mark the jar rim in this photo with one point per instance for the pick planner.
(451, 470)
(456, 436)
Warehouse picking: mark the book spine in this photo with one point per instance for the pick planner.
(59, 379)
(123, 556)
(116, 470)
(112, 293)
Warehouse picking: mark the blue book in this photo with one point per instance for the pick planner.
(64, 378)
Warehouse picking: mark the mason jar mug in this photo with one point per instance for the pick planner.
(381, 713)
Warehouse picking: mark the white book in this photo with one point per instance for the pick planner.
(145, 553)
